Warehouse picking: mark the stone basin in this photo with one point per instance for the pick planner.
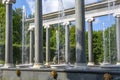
(61, 66)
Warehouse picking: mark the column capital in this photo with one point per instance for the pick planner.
(66, 23)
(47, 26)
(8, 1)
(31, 27)
(116, 14)
(90, 19)
(111, 1)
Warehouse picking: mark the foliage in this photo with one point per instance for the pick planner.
(52, 36)
(2, 32)
(52, 53)
(16, 54)
(72, 35)
(97, 43)
(72, 44)
(97, 39)
(17, 35)
(17, 26)
(2, 23)
(111, 43)
(2, 62)
(97, 46)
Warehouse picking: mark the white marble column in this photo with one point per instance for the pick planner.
(31, 55)
(47, 44)
(67, 43)
(38, 35)
(90, 41)
(8, 39)
(117, 17)
(80, 34)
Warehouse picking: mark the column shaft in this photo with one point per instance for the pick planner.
(90, 42)
(67, 52)
(47, 45)
(105, 61)
(38, 33)
(118, 38)
(8, 43)
(80, 33)
(23, 37)
(31, 46)
(57, 46)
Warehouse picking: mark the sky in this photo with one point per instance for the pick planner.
(52, 5)
(48, 5)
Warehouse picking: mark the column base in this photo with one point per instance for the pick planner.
(118, 63)
(8, 65)
(105, 63)
(81, 66)
(31, 64)
(91, 64)
(1, 65)
(47, 65)
(38, 65)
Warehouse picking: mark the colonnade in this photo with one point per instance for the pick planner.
(8, 37)
(117, 18)
(90, 41)
(80, 37)
(47, 27)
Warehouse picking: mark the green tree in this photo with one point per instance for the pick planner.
(72, 44)
(111, 43)
(72, 36)
(97, 46)
(2, 23)
(17, 34)
(2, 32)
(17, 26)
(53, 36)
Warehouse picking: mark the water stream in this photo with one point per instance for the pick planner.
(24, 38)
(60, 31)
(104, 44)
(111, 4)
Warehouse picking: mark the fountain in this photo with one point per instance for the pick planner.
(113, 36)
(105, 62)
(63, 72)
(111, 48)
(57, 56)
(24, 53)
(60, 41)
(57, 46)
(111, 4)
(24, 38)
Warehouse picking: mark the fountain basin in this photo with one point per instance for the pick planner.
(24, 65)
(61, 66)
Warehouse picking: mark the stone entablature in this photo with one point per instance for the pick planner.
(91, 10)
